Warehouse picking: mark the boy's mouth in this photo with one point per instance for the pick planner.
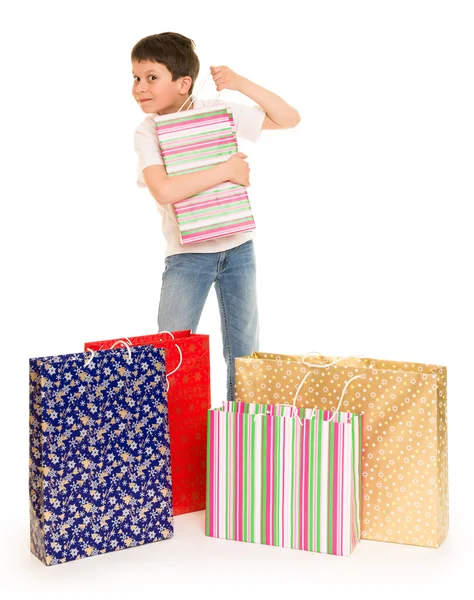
(142, 100)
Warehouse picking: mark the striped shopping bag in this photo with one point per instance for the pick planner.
(284, 480)
(194, 140)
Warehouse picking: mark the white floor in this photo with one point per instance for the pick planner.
(191, 565)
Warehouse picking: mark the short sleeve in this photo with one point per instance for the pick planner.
(248, 120)
(147, 148)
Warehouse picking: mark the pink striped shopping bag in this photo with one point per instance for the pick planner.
(194, 140)
(284, 480)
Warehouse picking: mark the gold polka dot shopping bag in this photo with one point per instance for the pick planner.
(405, 452)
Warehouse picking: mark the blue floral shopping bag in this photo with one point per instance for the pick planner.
(99, 472)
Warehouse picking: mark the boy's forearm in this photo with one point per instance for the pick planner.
(275, 107)
(181, 187)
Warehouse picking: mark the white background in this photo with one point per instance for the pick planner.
(364, 245)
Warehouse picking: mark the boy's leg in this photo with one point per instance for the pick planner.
(186, 282)
(237, 297)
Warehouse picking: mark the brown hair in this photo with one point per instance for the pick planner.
(173, 50)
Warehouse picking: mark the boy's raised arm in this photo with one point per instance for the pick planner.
(279, 114)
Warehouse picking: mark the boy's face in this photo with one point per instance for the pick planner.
(153, 89)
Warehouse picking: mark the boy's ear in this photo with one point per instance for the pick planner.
(185, 84)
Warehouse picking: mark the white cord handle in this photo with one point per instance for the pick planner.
(303, 360)
(326, 365)
(340, 399)
(89, 360)
(191, 97)
(174, 371)
(127, 346)
(127, 343)
(294, 411)
(180, 358)
(294, 415)
(160, 332)
(168, 332)
(93, 353)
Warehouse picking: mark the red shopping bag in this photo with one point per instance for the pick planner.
(189, 399)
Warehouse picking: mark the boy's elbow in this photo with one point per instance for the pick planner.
(295, 119)
(160, 195)
(291, 120)
(157, 186)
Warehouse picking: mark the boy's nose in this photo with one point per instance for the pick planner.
(141, 86)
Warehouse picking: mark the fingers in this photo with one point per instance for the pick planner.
(219, 80)
(242, 155)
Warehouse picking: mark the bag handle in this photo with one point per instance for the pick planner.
(295, 410)
(192, 96)
(180, 359)
(324, 366)
(128, 344)
(93, 352)
(341, 398)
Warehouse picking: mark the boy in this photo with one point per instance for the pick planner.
(165, 67)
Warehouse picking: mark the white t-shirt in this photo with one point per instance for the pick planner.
(248, 122)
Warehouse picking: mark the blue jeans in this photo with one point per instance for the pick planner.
(187, 279)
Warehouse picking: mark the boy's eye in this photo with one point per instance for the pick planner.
(150, 77)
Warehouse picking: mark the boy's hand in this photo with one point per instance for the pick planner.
(226, 79)
(238, 169)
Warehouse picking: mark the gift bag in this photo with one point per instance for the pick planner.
(284, 480)
(189, 398)
(405, 452)
(194, 140)
(99, 474)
